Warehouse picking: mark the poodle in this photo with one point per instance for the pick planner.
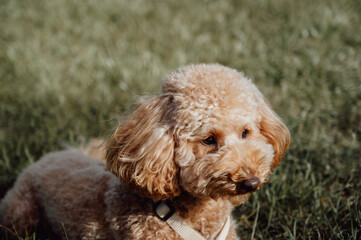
(172, 170)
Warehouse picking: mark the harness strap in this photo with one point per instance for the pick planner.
(166, 212)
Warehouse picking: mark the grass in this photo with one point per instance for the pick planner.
(69, 68)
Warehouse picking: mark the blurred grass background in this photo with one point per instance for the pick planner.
(69, 69)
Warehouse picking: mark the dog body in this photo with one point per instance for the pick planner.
(79, 198)
(204, 144)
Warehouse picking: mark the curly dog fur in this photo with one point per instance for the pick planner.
(205, 143)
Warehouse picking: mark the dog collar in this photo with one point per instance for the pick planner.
(166, 212)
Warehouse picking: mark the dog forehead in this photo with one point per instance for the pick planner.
(195, 122)
(212, 84)
(208, 94)
(206, 90)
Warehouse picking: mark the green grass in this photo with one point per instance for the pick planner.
(68, 69)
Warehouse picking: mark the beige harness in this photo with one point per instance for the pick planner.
(166, 212)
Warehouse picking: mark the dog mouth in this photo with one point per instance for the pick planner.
(227, 186)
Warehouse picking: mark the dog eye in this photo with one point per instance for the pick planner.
(209, 141)
(245, 133)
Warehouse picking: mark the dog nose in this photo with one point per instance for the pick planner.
(250, 185)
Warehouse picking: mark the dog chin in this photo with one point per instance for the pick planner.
(239, 199)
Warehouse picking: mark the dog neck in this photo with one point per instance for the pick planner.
(206, 215)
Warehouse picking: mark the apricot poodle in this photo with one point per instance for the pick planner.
(173, 169)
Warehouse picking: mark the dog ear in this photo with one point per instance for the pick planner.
(273, 128)
(141, 150)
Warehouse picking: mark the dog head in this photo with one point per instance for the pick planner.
(210, 133)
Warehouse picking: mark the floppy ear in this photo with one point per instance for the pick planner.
(141, 150)
(273, 128)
